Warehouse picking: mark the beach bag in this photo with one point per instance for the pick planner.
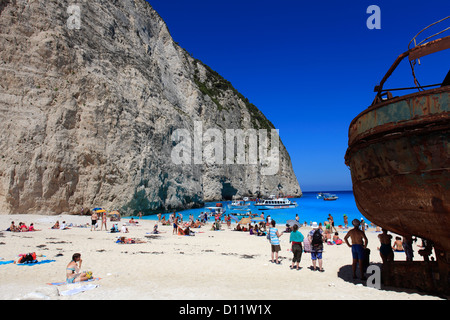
(316, 238)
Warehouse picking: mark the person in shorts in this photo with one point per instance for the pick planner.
(94, 218)
(359, 243)
(316, 246)
(274, 237)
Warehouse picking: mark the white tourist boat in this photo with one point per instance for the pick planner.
(276, 203)
(239, 204)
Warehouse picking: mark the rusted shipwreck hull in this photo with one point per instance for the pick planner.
(400, 165)
(399, 160)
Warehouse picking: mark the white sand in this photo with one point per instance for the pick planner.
(210, 265)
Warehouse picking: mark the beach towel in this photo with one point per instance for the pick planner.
(35, 262)
(77, 290)
(64, 283)
(6, 262)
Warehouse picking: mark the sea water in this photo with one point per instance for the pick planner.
(309, 209)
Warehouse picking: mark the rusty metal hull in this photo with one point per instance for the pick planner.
(400, 166)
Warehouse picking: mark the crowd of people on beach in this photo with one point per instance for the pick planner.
(355, 238)
(312, 243)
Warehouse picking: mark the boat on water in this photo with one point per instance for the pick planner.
(239, 204)
(327, 196)
(398, 155)
(275, 203)
(217, 210)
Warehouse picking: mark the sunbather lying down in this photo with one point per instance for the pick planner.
(129, 240)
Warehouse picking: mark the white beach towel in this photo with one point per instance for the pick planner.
(77, 290)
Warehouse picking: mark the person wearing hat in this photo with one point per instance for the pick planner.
(315, 238)
(124, 228)
(359, 243)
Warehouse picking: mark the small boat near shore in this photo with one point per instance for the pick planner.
(218, 209)
(239, 204)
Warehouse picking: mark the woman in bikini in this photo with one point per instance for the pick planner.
(73, 270)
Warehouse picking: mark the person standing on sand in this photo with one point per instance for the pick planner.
(175, 226)
(315, 238)
(94, 219)
(345, 221)
(104, 222)
(274, 236)
(331, 221)
(296, 239)
(359, 243)
(386, 252)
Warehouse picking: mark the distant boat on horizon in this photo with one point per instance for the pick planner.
(327, 196)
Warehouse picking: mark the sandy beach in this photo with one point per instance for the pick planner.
(214, 265)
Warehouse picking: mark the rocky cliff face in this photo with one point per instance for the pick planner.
(89, 104)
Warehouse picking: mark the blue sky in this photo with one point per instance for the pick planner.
(309, 66)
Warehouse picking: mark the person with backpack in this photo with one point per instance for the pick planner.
(316, 239)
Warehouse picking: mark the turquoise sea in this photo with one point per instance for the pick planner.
(309, 209)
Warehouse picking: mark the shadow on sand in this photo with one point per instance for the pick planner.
(346, 274)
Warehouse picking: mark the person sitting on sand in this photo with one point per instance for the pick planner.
(164, 222)
(23, 227)
(115, 228)
(63, 226)
(197, 224)
(56, 225)
(124, 228)
(336, 238)
(125, 240)
(398, 245)
(238, 228)
(73, 273)
(257, 231)
(216, 225)
(12, 227)
(31, 228)
(133, 222)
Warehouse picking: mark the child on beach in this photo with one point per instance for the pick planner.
(274, 236)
